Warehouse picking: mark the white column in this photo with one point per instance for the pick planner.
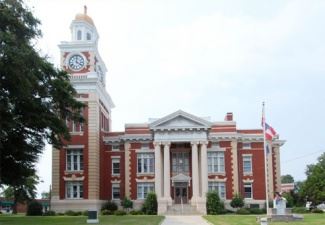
(167, 173)
(204, 168)
(157, 170)
(195, 173)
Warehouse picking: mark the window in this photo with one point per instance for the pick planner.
(247, 145)
(215, 145)
(218, 187)
(144, 189)
(146, 163)
(79, 35)
(216, 162)
(115, 147)
(115, 166)
(88, 36)
(74, 159)
(247, 163)
(77, 127)
(115, 191)
(180, 162)
(248, 192)
(145, 146)
(74, 190)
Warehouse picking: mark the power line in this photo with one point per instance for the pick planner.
(303, 156)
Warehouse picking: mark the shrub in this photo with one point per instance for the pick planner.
(242, 211)
(127, 203)
(256, 211)
(111, 206)
(150, 205)
(85, 213)
(317, 211)
(214, 205)
(289, 199)
(60, 214)
(49, 213)
(237, 201)
(119, 213)
(136, 212)
(299, 210)
(106, 212)
(34, 208)
(72, 213)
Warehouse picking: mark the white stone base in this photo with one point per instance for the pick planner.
(201, 206)
(60, 206)
(162, 206)
(93, 221)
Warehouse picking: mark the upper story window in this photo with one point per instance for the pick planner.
(216, 162)
(144, 189)
(79, 35)
(219, 187)
(88, 36)
(247, 145)
(247, 164)
(180, 162)
(248, 190)
(146, 163)
(74, 159)
(74, 190)
(145, 146)
(115, 147)
(115, 166)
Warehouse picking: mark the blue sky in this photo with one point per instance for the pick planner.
(208, 58)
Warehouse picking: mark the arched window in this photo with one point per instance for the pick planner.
(79, 35)
(88, 36)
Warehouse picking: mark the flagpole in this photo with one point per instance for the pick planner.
(265, 162)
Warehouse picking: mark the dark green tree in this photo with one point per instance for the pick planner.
(286, 179)
(214, 205)
(150, 205)
(35, 97)
(313, 189)
(237, 201)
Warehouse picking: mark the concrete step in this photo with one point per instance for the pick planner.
(178, 209)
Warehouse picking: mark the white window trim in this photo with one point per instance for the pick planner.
(251, 164)
(252, 193)
(142, 165)
(78, 189)
(144, 184)
(225, 188)
(115, 149)
(116, 185)
(247, 147)
(72, 170)
(219, 172)
(115, 160)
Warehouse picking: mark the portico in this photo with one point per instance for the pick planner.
(181, 161)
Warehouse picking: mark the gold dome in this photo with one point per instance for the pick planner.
(84, 17)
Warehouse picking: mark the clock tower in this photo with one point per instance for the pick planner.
(77, 167)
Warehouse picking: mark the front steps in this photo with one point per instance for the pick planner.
(178, 209)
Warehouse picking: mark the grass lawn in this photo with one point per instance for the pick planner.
(76, 220)
(309, 219)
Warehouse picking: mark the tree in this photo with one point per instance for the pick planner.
(214, 205)
(35, 98)
(286, 179)
(237, 201)
(127, 203)
(313, 189)
(150, 205)
(45, 195)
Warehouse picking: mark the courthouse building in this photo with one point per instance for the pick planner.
(180, 156)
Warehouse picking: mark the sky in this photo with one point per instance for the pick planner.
(207, 58)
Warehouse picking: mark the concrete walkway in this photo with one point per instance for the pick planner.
(184, 220)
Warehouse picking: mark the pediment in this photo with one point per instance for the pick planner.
(180, 120)
(181, 178)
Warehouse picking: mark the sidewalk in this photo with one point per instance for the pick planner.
(184, 220)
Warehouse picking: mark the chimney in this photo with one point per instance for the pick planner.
(229, 116)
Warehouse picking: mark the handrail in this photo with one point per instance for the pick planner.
(182, 204)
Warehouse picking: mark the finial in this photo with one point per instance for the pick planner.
(85, 9)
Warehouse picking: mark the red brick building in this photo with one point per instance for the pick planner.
(179, 156)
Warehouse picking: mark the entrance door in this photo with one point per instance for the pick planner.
(181, 195)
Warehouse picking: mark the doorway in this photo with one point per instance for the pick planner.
(181, 192)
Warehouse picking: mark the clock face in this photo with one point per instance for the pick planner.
(76, 62)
